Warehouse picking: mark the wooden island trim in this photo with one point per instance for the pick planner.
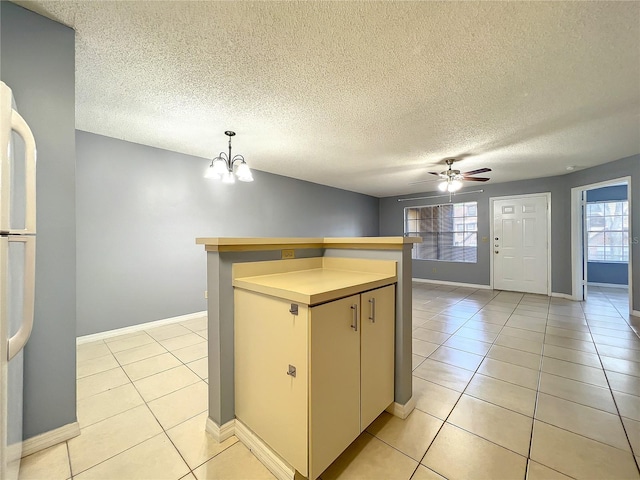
(247, 244)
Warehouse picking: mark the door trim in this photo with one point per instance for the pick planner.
(547, 196)
(577, 242)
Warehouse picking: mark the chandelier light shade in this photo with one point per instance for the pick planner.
(228, 167)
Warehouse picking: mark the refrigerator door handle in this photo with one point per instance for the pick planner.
(19, 340)
(21, 128)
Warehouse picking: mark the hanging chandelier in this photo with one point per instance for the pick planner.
(227, 167)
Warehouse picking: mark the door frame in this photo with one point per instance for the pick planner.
(547, 196)
(577, 239)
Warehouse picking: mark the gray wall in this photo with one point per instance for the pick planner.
(606, 194)
(391, 223)
(38, 63)
(141, 208)
(608, 272)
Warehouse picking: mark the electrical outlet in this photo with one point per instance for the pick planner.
(286, 254)
(206, 294)
(485, 239)
(435, 270)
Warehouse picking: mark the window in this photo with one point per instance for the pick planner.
(608, 231)
(449, 232)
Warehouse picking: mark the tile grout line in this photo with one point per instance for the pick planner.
(443, 422)
(448, 415)
(190, 470)
(626, 314)
(610, 391)
(145, 403)
(537, 390)
(615, 402)
(465, 388)
(535, 405)
(68, 459)
(594, 385)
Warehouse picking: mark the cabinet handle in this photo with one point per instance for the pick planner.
(354, 325)
(372, 317)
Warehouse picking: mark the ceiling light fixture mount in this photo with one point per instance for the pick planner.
(228, 167)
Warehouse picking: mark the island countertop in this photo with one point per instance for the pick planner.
(314, 280)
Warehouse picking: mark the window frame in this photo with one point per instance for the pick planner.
(622, 258)
(445, 241)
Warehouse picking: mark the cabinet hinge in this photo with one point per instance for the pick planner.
(294, 309)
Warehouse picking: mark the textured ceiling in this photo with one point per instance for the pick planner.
(366, 96)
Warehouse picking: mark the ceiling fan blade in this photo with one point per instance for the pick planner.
(435, 173)
(475, 179)
(480, 170)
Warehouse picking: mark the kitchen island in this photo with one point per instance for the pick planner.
(227, 256)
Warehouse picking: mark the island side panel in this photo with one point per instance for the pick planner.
(403, 379)
(220, 314)
(213, 335)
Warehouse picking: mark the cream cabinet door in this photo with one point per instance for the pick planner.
(272, 403)
(377, 352)
(334, 380)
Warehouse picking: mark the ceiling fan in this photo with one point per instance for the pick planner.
(453, 178)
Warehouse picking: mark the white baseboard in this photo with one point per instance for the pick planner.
(220, 434)
(136, 328)
(607, 285)
(454, 284)
(270, 459)
(400, 410)
(49, 439)
(568, 296)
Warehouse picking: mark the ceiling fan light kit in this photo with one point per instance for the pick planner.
(450, 185)
(452, 179)
(227, 167)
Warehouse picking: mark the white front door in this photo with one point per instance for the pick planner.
(519, 244)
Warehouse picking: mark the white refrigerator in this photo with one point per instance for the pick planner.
(17, 272)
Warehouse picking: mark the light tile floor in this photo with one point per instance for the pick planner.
(508, 386)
